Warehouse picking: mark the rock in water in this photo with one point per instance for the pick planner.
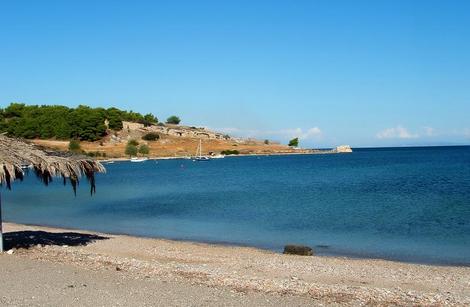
(298, 250)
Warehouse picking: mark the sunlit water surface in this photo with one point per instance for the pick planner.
(408, 204)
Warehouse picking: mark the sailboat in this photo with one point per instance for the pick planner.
(199, 156)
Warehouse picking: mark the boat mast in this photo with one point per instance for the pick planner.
(200, 148)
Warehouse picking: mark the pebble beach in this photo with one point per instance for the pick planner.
(135, 270)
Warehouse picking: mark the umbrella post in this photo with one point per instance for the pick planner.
(1, 230)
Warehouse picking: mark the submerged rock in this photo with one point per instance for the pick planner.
(298, 250)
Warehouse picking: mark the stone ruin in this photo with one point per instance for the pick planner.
(175, 131)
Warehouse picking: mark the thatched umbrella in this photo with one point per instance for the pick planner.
(16, 154)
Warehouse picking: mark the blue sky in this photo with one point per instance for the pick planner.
(365, 73)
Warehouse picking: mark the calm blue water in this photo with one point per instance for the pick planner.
(408, 204)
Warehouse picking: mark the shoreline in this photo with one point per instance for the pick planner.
(342, 255)
(320, 279)
(315, 152)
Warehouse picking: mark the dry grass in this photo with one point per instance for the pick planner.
(169, 146)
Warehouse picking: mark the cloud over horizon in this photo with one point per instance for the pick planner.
(466, 132)
(429, 131)
(310, 133)
(426, 135)
(283, 134)
(398, 132)
(315, 136)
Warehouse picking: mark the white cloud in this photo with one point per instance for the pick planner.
(429, 131)
(397, 132)
(232, 131)
(466, 132)
(226, 130)
(310, 133)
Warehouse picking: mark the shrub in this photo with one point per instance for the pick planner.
(230, 152)
(144, 149)
(266, 142)
(173, 120)
(74, 145)
(133, 142)
(131, 150)
(151, 136)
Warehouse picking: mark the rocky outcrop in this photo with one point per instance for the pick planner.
(343, 149)
(175, 131)
(298, 250)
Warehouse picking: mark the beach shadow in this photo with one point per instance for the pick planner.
(27, 239)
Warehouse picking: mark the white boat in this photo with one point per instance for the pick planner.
(199, 156)
(203, 158)
(135, 159)
(219, 156)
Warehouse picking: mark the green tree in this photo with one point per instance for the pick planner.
(144, 149)
(173, 120)
(74, 145)
(115, 117)
(294, 142)
(132, 116)
(61, 122)
(15, 110)
(87, 124)
(151, 118)
(133, 142)
(131, 150)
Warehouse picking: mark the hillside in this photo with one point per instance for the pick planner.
(105, 133)
(174, 141)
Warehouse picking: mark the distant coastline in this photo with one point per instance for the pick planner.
(303, 152)
(114, 134)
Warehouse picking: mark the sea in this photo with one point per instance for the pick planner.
(404, 204)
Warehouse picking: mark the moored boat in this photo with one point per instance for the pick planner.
(199, 156)
(219, 156)
(135, 159)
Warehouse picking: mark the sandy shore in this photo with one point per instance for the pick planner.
(51, 266)
(312, 152)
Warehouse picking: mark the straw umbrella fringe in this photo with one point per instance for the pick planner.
(15, 154)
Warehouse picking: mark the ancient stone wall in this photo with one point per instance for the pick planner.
(175, 131)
